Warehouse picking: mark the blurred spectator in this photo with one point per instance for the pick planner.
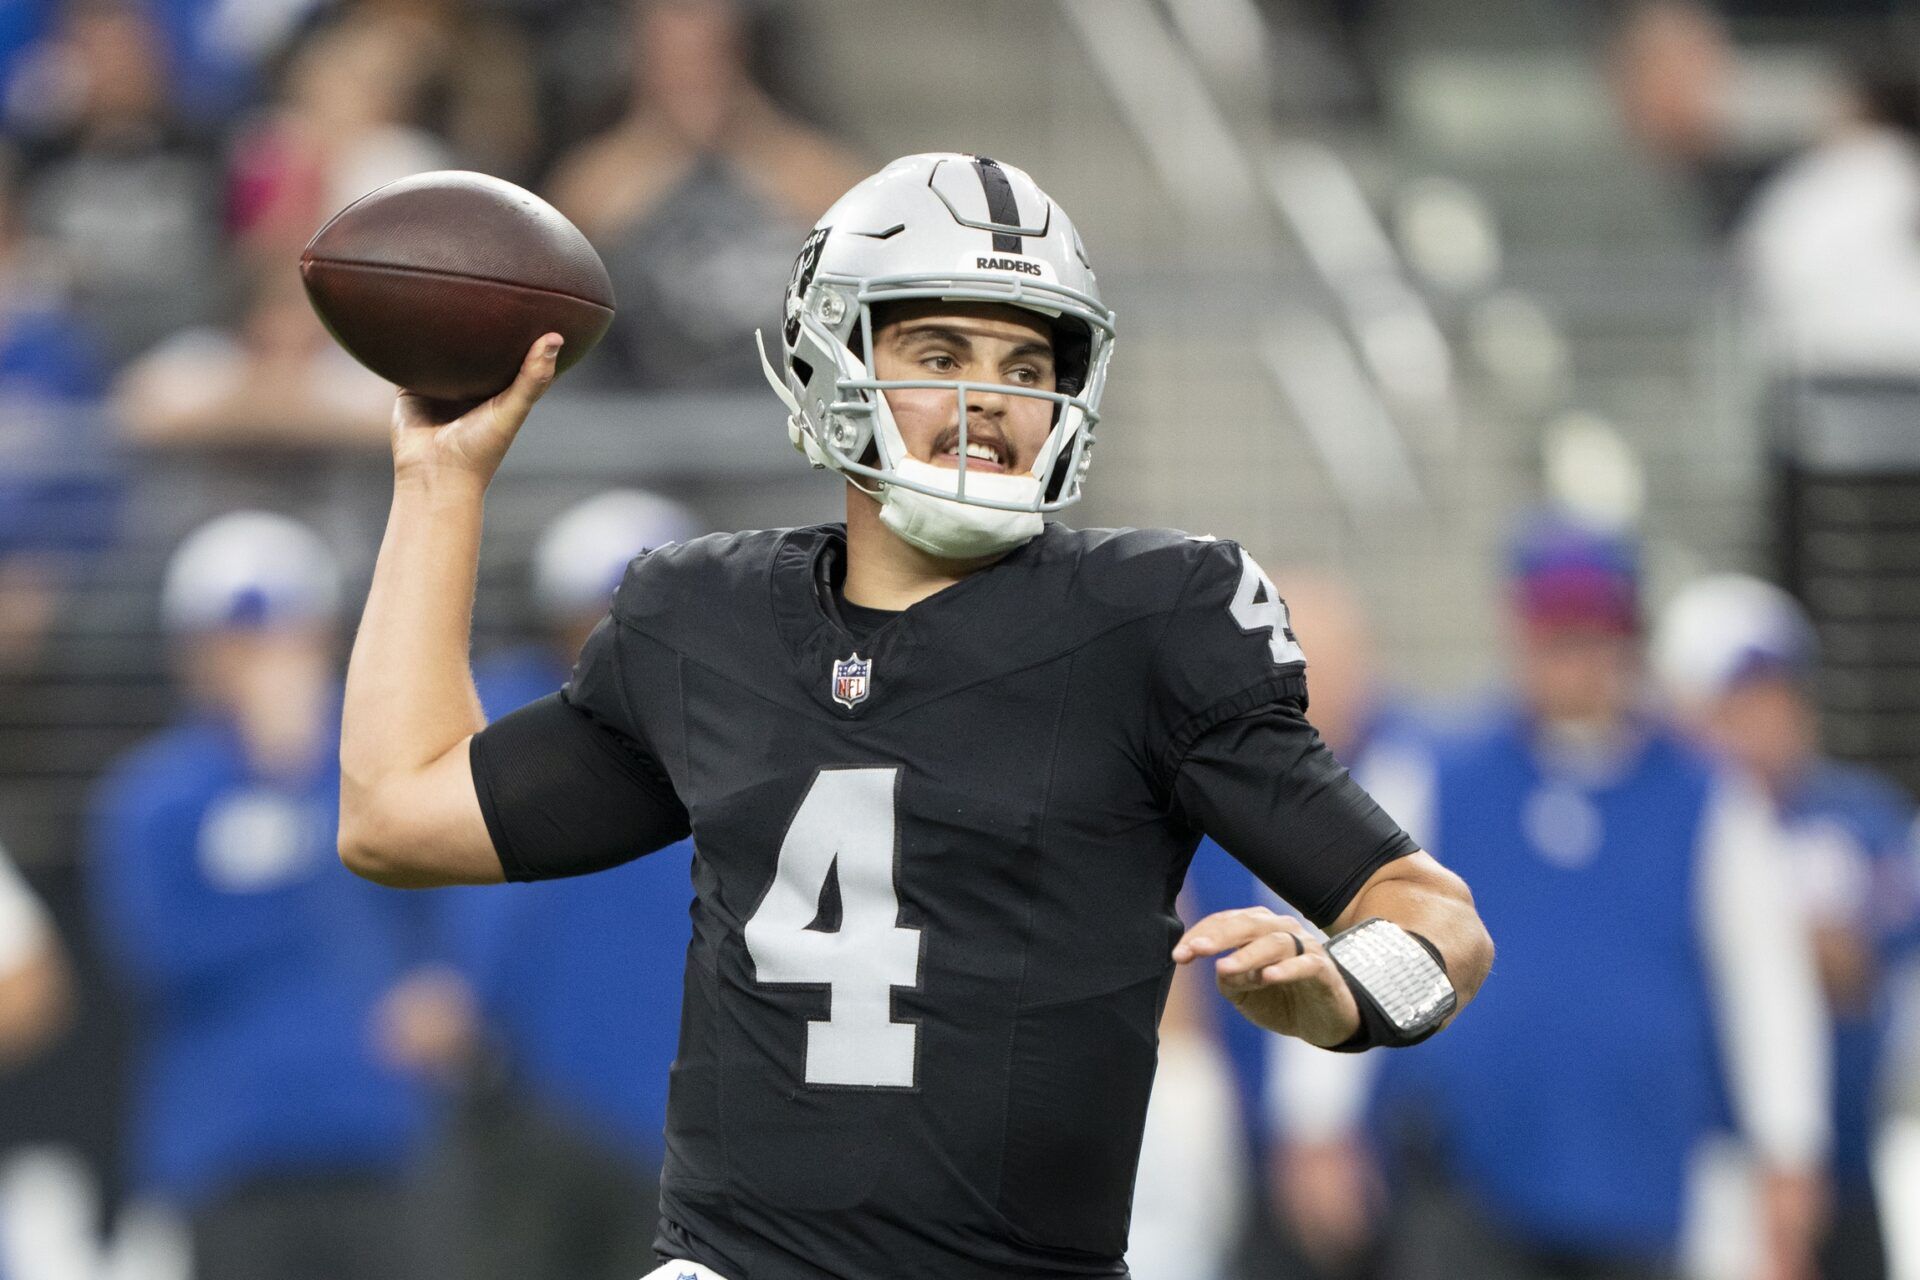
(36, 1007)
(47, 352)
(1641, 903)
(214, 50)
(1830, 250)
(218, 48)
(257, 963)
(120, 189)
(1696, 105)
(36, 993)
(56, 481)
(697, 200)
(481, 92)
(23, 25)
(579, 979)
(344, 123)
(1738, 654)
(278, 380)
(1671, 63)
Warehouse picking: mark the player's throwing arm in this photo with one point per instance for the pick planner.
(408, 278)
(405, 784)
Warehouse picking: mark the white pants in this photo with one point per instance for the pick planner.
(680, 1269)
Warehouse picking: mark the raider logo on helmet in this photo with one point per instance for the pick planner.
(803, 268)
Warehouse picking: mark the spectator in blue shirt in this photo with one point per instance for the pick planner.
(1649, 940)
(1739, 656)
(58, 482)
(569, 1159)
(124, 191)
(262, 1107)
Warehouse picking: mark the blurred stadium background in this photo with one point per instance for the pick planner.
(1388, 273)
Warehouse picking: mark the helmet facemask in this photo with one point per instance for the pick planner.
(841, 418)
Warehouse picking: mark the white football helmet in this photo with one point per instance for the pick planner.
(965, 229)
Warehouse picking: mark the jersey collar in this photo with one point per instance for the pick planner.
(954, 622)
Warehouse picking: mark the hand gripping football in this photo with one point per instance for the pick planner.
(441, 281)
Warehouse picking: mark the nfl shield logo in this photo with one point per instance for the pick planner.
(850, 679)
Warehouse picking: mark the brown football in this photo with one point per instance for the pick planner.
(441, 281)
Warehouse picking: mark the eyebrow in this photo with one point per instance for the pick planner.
(940, 333)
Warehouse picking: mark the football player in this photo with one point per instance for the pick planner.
(944, 766)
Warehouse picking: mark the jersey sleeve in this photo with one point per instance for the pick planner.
(1237, 753)
(1265, 786)
(569, 784)
(1226, 648)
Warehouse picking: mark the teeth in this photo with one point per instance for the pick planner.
(982, 451)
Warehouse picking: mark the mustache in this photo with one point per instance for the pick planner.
(950, 440)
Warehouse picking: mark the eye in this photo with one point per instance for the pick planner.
(1025, 376)
(940, 363)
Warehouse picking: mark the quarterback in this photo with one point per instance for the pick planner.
(944, 767)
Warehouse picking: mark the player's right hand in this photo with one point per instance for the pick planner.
(434, 440)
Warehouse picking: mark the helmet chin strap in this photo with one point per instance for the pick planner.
(796, 420)
(941, 525)
(955, 530)
(774, 380)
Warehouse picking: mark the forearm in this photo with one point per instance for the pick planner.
(410, 698)
(409, 814)
(1775, 1036)
(1423, 897)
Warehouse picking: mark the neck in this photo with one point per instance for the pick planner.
(283, 736)
(886, 572)
(1779, 778)
(1588, 739)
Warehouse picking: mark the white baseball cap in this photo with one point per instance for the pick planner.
(250, 569)
(583, 554)
(1727, 628)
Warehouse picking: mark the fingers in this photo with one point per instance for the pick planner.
(536, 375)
(1267, 949)
(1257, 948)
(1309, 968)
(1225, 930)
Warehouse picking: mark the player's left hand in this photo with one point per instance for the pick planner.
(1276, 974)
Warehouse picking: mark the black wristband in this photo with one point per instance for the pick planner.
(1376, 1029)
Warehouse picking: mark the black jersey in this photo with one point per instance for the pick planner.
(935, 875)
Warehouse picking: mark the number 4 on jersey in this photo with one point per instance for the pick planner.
(1257, 606)
(843, 828)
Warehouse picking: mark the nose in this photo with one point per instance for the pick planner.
(991, 405)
